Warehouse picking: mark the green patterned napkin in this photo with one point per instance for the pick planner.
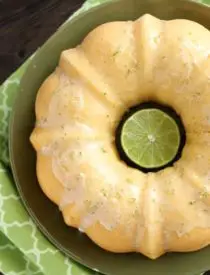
(23, 249)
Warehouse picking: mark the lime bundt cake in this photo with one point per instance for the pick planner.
(155, 199)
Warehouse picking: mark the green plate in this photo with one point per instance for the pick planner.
(23, 158)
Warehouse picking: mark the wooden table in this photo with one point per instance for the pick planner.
(25, 25)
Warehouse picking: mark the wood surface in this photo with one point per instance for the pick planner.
(25, 25)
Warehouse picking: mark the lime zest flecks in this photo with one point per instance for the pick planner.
(115, 53)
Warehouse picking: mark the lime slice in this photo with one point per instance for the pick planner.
(150, 138)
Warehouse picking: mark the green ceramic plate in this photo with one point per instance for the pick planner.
(23, 158)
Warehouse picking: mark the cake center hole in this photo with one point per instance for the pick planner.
(150, 137)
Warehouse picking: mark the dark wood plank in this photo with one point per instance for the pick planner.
(25, 25)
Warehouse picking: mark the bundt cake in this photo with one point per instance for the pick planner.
(78, 109)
